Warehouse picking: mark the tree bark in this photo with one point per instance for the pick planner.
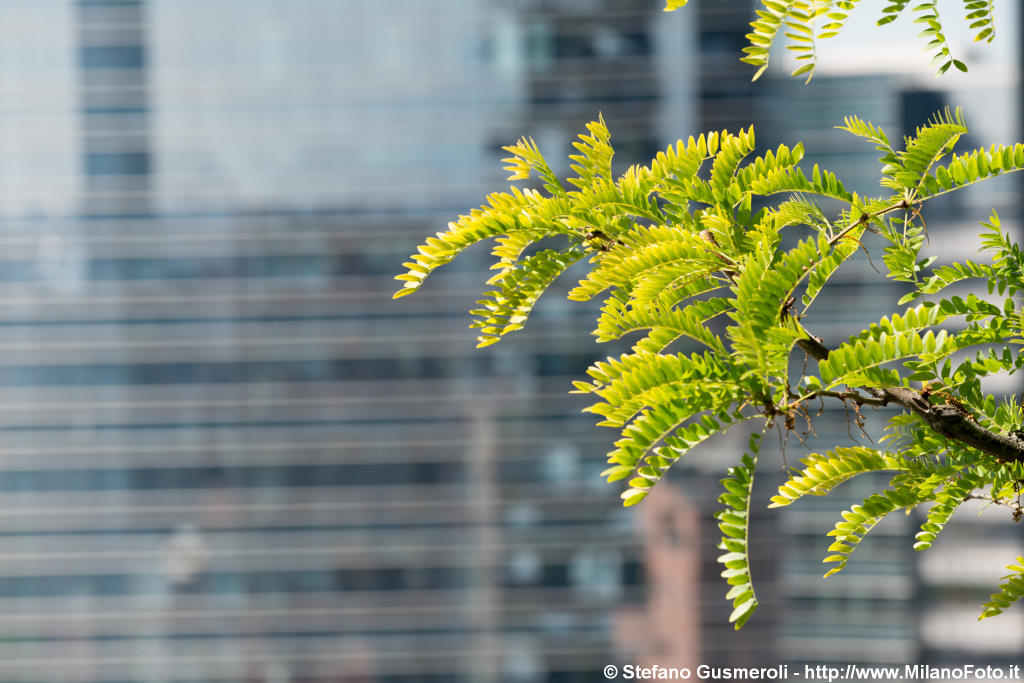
(951, 421)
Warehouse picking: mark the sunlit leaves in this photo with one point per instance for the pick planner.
(734, 524)
(507, 308)
(929, 144)
(969, 168)
(927, 15)
(594, 160)
(698, 261)
(978, 13)
(861, 519)
(803, 22)
(892, 11)
(835, 16)
(1010, 591)
(946, 503)
(821, 472)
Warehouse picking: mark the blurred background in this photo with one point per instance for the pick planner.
(227, 455)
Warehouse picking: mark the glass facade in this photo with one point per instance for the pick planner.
(228, 455)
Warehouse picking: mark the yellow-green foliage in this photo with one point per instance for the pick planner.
(1010, 591)
(734, 523)
(803, 22)
(687, 252)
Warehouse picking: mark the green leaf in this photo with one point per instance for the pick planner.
(861, 519)
(946, 503)
(507, 308)
(733, 522)
(823, 472)
(1010, 591)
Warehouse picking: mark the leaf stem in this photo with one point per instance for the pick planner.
(948, 420)
(866, 218)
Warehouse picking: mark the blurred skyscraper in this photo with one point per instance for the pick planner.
(227, 455)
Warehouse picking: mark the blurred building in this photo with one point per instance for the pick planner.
(228, 455)
(890, 604)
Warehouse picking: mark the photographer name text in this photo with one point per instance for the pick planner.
(820, 672)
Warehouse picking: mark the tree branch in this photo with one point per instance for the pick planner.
(866, 218)
(951, 421)
(857, 398)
